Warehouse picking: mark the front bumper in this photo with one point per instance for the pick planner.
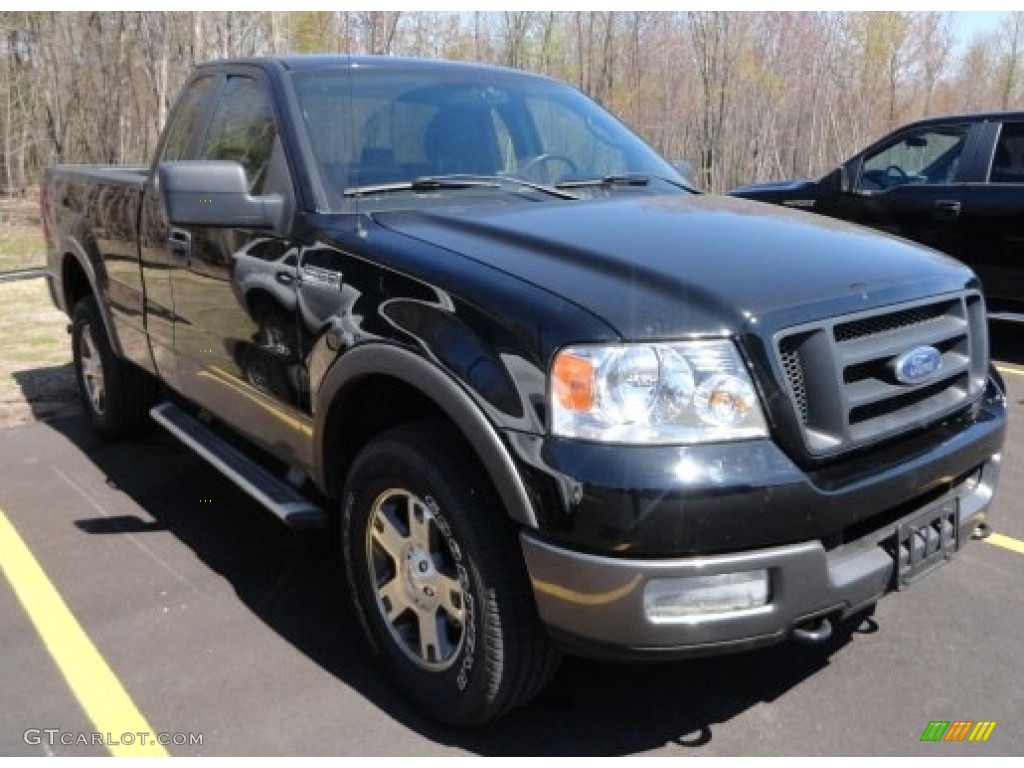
(594, 604)
(648, 502)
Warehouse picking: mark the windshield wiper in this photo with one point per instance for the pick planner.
(613, 180)
(455, 181)
(420, 184)
(545, 188)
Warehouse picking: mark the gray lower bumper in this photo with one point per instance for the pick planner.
(594, 604)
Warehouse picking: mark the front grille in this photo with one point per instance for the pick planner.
(841, 379)
(795, 376)
(891, 321)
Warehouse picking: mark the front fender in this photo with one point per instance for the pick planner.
(385, 359)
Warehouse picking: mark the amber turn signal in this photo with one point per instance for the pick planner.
(574, 382)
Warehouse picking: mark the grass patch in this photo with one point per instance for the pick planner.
(21, 247)
(36, 376)
(32, 330)
(37, 379)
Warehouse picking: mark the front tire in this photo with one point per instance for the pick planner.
(116, 395)
(437, 578)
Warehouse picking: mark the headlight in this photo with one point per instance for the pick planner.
(690, 392)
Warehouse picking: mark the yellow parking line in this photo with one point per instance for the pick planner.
(94, 684)
(1004, 368)
(1006, 542)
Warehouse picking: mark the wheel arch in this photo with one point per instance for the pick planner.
(354, 402)
(79, 278)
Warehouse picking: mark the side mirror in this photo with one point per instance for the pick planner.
(215, 193)
(836, 181)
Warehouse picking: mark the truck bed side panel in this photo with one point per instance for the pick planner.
(96, 212)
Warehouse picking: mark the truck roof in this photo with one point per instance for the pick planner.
(968, 117)
(324, 61)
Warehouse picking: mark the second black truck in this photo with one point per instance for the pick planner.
(955, 183)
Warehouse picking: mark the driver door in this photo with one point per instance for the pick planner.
(236, 337)
(909, 186)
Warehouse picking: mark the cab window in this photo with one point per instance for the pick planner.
(188, 119)
(1008, 159)
(925, 156)
(243, 130)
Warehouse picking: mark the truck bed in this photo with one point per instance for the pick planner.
(94, 212)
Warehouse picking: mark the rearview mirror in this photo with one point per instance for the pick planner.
(215, 193)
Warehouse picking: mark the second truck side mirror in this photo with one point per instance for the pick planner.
(837, 181)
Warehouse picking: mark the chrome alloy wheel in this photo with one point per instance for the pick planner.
(414, 568)
(92, 371)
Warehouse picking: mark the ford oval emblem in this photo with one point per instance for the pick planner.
(917, 365)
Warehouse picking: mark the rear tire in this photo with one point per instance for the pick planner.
(438, 579)
(115, 394)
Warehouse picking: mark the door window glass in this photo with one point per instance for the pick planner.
(188, 119)
(243, 130)
(926, 156)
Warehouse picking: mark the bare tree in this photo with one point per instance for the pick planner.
(744, 95)
(716, 40)
(932, 42)
(1008, 72)
(516, 27)
(378, 30)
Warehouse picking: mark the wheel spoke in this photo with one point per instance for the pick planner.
(99, 395)
(387, 535)
(419, 524)
(393, 600)
(88, 354)
(430, 639)
(451, 598)
(92, 371)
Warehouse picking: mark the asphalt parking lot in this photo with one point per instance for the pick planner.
(214, 620)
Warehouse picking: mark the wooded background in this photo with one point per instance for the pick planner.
(743, 96)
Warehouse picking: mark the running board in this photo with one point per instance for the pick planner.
(284, 500)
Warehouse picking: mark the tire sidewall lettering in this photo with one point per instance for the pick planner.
(469, 657)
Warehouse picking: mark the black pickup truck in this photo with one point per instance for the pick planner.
(955, 183)
(556, 400)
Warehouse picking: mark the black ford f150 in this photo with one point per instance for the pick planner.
(954, 183)
(557, 400)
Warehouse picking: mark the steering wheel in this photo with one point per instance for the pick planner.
(531, 165)
(895, 170)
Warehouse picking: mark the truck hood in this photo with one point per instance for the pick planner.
(665, 267)
(773, 186)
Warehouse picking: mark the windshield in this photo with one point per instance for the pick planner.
(375, 131)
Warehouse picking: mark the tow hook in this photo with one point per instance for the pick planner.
(814, 631)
